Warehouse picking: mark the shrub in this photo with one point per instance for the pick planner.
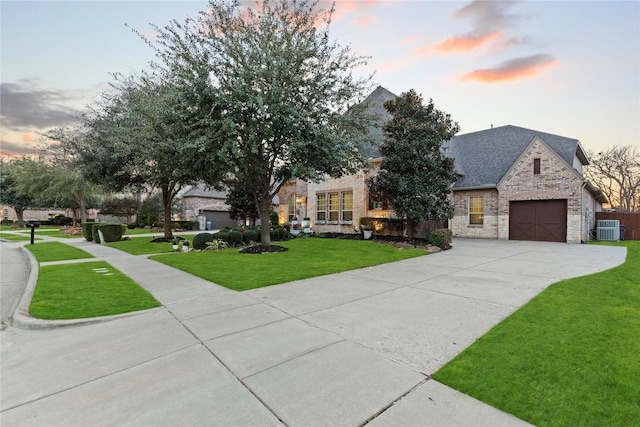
(62, 220)
(216, 245)
(441, 238)
(222, 235)
(201, 239)
(87, 231)
(131, 226)
(6, 222)
(235, 238)
(110, 232)
(251, 236)
(388, 226)
(274, 219)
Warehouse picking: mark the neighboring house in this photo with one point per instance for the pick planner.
(515, 183)
(209, 207)
(521, 184)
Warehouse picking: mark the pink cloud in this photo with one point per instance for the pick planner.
(464, 43)
(393, 65)
(513, 69)
(409, 40)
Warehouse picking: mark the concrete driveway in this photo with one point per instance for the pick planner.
(347, 349)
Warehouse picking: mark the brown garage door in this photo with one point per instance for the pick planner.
(544, 220)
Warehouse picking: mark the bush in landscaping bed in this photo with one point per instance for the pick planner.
(62, 220)
(222, 235)
(235, 238)
(441, 238)
(250, 236)
(201, 239)
(87, 231)
(110, 232)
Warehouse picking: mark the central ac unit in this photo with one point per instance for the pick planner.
(608, 229)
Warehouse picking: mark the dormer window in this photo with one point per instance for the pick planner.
(536, 166)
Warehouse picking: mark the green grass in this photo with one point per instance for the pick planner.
(570, 357)
(76, 291)
(56, 251)
(143, 245)
(17, 237)
(306, 258)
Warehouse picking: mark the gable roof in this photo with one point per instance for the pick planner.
(201, 190)
(375, 106)
(482, 158)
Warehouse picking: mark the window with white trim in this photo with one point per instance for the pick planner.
(321, 207)
(346, 206)
(291, 207)
(335, 206)
(476, 210)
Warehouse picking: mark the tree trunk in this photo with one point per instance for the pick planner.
(167, 198)
(20, 215)
(265, 210)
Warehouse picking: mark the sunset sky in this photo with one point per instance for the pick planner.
(570, 68)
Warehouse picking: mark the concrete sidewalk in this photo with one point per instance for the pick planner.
(347, 349)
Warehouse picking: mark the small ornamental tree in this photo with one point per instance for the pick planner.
(415, 178)
(242, 205)
(9, 192)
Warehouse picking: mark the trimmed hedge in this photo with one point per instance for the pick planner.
(235, 237)
(110, 232)
(201, 239)
(87, 231)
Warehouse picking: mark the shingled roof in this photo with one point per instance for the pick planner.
(482, 158)
(375, 106)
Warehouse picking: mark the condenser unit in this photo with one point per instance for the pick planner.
(608, 229)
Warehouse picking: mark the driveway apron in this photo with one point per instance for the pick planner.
(346, 349)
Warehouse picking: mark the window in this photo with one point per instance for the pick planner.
(321, 207)
(536, 166)
(347, 206)
(476, 210)
(334, 206)
(291, 207)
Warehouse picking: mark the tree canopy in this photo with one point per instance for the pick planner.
(415, 178)
(9, 189)
(278, 93)
(616, 171)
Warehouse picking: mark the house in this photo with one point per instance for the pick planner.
(521, 184)
(336, 205)
(207, 206)
(515, 183)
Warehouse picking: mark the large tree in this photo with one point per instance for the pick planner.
(281, 89)
(414, 176)
(9, 190)
(616, 171)
(141, 135)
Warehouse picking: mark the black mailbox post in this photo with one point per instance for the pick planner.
(33, 226)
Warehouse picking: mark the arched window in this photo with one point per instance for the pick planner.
(291, 207)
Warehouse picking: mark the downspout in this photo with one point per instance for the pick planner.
(584, 184)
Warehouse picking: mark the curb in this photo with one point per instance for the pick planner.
(21, 318)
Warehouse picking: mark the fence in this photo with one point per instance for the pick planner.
(631, 222)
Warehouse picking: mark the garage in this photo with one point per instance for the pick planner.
(219, 219)
(541, 220)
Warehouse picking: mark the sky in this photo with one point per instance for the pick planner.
(570, 68)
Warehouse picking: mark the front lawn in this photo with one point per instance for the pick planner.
(92, 289)
(143, 245)
(570, 357)
(56, 251)
(306, 258)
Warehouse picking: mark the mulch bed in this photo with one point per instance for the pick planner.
(259, 249)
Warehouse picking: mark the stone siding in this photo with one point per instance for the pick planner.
(460, 223)
(193, 205)
(556, 180)
(298, 188)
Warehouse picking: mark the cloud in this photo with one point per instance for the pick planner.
(463, 43)
(363, 19)
(13, 149)
(489, 19)
(24, 106)
(512, 69)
